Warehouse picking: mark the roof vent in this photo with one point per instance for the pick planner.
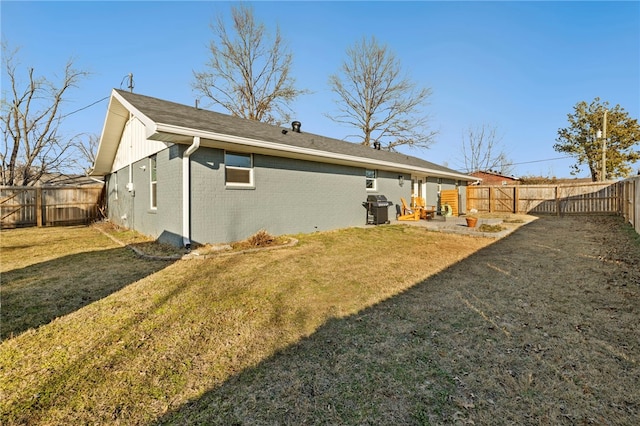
(376, 145)
(295, 126)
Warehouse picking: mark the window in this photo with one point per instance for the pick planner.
(238, 169)
(370, 179)
(153, 182)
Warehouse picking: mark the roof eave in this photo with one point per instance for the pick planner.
(119, 112)
(168, 133)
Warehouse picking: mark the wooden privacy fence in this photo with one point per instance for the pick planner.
(22, 206)
(630, 201)
(450, 196)
(620, 198)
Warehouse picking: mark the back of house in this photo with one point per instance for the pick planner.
(185, 175)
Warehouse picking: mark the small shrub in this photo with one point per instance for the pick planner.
(261, 238)
(490, 228)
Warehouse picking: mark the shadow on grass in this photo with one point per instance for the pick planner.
(343, 374)
(491, 339)
(392, 363)
(37, 294)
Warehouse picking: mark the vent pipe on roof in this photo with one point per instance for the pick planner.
(376, 145)
(295, 126)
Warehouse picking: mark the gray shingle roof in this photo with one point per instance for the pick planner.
(170, 113)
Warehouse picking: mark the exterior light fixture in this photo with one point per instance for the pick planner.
(400, 180)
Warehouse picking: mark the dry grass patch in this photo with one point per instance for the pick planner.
(168, 338)
(50, 272)
(23, 247)
(539, 328)
(388, 325)
(149, 247)
(140, 242)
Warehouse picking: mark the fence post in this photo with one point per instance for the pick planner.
(557, 192)
(490, 200)
(516, 199)
(39, 206)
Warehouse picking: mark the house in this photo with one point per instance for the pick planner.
(183, 174)
(489, 177)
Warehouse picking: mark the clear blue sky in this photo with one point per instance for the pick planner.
(520, 66)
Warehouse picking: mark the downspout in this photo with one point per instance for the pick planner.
(186, 196)
(96, 179)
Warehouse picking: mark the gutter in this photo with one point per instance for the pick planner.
(186, 205)
(314, 153)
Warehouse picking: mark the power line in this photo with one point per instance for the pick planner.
(84, 107)
(130, 86)
(538, 161)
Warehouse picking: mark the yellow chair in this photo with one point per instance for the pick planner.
(408, 213)
(426, 212)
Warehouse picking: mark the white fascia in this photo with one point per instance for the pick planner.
(167, 128)
(149, 124)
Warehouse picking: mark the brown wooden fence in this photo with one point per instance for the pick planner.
(630, 201)
(620, 198)
(22, 206)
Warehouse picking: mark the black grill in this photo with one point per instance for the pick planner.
(377, 209)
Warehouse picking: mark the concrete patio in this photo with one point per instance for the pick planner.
(458, 225)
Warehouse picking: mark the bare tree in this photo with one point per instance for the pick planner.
(482, 150)
(30, 119)
(87, 150)
(248, 72)
(385, 106)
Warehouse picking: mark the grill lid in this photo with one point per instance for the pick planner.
(378, 201)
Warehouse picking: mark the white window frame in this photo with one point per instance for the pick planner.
(250, 184)
(373, 180)
(153, 184)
